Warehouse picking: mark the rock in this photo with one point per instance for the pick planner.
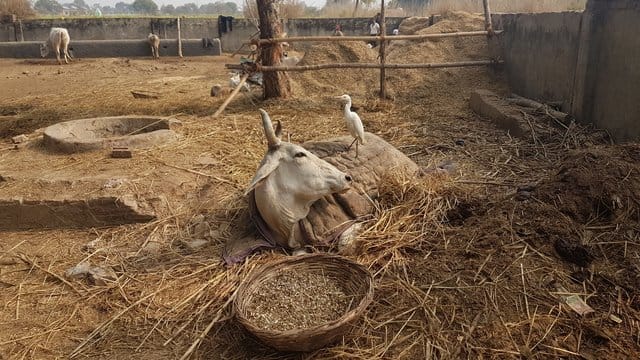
(202, 230)
(152, 247)
(19, 139)
(95, 275)
(491, 106)
(523, 195)
(113, 183)
(195, 244)
(216, 90)
(91, 246)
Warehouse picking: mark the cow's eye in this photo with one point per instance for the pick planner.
(300, 154)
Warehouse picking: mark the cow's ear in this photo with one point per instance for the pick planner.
(267, 166)
(278, 129)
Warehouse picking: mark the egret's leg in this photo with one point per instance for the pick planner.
(354, 140)
(356, 148)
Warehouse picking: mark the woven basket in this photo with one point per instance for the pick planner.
(355, 280)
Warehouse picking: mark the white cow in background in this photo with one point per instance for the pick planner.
(288, 181)
(154, 43)
(58, 41)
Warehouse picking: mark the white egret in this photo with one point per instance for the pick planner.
(354, 124)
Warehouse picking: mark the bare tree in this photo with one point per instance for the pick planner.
(276, 83)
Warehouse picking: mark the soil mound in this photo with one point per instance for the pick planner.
(600, 183)
(336, 81)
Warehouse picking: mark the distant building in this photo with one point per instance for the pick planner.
(74, 10)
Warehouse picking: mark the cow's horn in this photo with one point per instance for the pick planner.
(272, 139)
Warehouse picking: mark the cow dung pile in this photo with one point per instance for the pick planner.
(297, 300)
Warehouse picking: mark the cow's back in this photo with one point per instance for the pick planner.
(58, 37)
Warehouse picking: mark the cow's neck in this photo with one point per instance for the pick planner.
(281, 211)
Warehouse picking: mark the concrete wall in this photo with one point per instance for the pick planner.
(607, 83)
(589, 62)
(540, 52)
(111, 48)
(191, 28)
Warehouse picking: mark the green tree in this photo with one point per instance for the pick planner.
(144, 7)
(123, 8)
(219, 7)
(168, 9)
(81, 4)
(188, 8)
(48, 7)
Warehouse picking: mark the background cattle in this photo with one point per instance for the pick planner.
(58, 41)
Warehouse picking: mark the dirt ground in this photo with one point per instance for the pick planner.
(482, 263)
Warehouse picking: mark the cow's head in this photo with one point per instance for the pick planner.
(290, 179)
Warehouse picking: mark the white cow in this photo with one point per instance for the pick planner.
(154, 43)
(290, 179)
(58, 41)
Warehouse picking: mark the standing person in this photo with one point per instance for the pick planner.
(338, 31)
(374, 30)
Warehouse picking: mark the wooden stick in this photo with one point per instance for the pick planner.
(365, 66)
(32, 263)
(369, 38)
(231, 96)
(244, 44)
(487, 18)
(383, 29)
(179, 39)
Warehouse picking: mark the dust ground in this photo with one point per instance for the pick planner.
(478, 264)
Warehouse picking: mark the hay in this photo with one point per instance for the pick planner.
(464, 265)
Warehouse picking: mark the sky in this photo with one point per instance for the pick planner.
(316, 3)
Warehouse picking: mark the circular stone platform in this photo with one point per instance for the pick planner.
(106, 132)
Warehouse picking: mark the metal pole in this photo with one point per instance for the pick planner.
(179, 39)
(487, 18)
(383, 32)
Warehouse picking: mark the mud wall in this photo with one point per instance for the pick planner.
(112, 48)
(166, 28)
(585, 61)
(607, 87)
(540, 52)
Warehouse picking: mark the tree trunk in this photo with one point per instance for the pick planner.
(276, 83)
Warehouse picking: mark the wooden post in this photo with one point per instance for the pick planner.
(20, 30)
(369, 38)
(487, 17)
(179, 38)
(265, 69)
(383, 33)
(275, 84)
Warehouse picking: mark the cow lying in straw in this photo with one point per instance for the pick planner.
(314, 194)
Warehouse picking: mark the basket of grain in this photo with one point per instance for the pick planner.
(303, 303)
